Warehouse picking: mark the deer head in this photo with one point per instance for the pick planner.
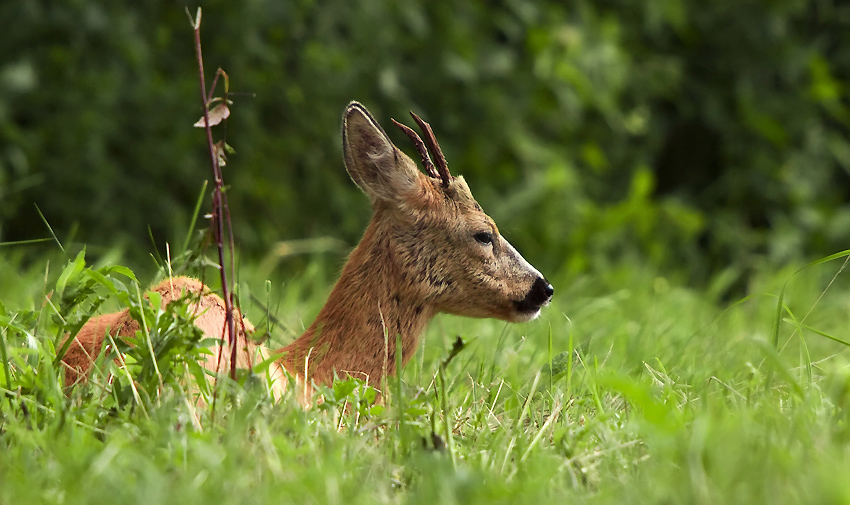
(447, 250)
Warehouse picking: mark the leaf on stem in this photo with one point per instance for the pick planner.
(221, 152)
(217, 114)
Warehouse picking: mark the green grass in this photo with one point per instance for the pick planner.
(629, 389)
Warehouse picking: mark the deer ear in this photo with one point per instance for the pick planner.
(372, 161)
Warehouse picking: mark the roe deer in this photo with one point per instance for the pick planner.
(429, 248)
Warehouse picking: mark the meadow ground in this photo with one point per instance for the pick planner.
(629, 389)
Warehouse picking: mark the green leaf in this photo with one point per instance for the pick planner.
(71, 272)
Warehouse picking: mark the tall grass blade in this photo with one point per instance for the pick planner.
(195, 215)
(49, 228)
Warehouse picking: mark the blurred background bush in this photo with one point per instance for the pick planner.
(695, 137)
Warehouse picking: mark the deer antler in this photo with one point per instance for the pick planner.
(441, 170)
(434, 146)
(420, 147)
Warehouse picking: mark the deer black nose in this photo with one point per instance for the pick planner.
(539, 295)
(541, 292)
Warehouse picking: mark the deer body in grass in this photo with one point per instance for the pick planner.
(429, 248)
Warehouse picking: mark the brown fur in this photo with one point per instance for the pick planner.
(419, 256)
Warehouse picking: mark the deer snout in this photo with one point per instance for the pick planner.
(539, 295)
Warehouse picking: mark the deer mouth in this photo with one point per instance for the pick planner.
(525, 311)
(526, 307)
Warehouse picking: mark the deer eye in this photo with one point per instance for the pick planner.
(484, 237)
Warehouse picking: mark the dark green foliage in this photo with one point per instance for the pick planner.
(693, 135)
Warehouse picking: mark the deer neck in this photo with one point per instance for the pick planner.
(355, 332)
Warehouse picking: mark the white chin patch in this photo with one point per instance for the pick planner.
(526, 316)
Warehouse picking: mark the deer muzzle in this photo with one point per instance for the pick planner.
(537, 297)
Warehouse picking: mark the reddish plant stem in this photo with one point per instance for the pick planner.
(214, 84)
(218, 208)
